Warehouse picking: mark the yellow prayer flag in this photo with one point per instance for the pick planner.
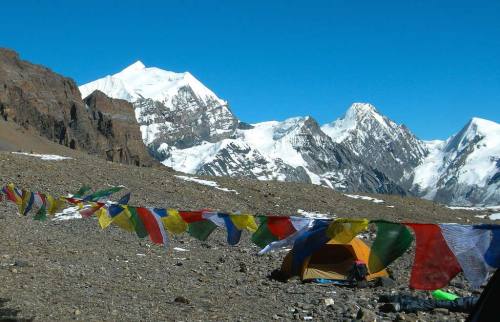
(104, 219)
(244, 222)
(12, 189)
(343, 230)
(174, 222)
(53, 205)
(122, 220)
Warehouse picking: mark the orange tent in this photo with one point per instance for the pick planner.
(333, 261)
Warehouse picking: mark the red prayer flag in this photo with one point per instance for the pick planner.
(435, 265)
(153, 225)
(191, 216)
(281, 227)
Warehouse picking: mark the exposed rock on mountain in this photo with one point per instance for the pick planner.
(187, 127)
(50, 104)
(35, 97)
(387, 146)
(172, 108)
(119, 134)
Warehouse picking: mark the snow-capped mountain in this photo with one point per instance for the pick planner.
(187, 127)
(294, 150)
(172, 108)
(387, 146)
(465, 169)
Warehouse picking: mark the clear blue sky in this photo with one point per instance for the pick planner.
(431, 65)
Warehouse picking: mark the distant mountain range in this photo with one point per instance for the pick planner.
(187, 127)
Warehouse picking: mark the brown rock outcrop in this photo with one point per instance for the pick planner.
(38, 99)
(119, 131)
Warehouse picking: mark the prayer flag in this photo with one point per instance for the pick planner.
(28, 198)
(244, 222)
(434, 265)
(96, 196)
(201, 229)
(391, 242)
(309, 242)
(191, 216)
(469, 246)
(154, 226)
(300, 224)
(83, 190)
(263, 236)
(139, 228)
(174, 223)
(492, 255)
(344, 230)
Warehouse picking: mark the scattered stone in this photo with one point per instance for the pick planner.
(181, 299)
(21, 263)
(328, 301)
(366, 315)
(386, 282)
(243, 268)
(441, 311)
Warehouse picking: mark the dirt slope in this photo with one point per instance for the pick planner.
(67, 270)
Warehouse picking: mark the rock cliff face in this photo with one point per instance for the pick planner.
(388, 147)
(40, 100)
(119, 135)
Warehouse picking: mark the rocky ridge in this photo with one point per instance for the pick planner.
(187, 127)
(51, 105)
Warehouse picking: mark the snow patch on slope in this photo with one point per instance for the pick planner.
(426, 175)
(209, 183)
(273, 139)
(314, 214)
(45, 157)
(374, 200)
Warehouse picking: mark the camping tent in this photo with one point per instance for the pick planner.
(332, 261)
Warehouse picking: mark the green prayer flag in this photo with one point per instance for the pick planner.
(41, 214)
(391, 242)
(102, 193)
(201, 229)
(83, 190)
(263, 236)
(139, 228)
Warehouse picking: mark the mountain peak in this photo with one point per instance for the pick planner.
(476, 129)
(140, 82)
(359, 110)
(138, 65)
(362, 107)
(483, 124)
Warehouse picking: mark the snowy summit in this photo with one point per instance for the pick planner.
(138, 81)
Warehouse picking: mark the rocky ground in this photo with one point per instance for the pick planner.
(64, 270)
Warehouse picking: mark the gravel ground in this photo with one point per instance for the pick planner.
(65, 270)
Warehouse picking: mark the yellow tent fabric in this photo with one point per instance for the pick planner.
(333, 261)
